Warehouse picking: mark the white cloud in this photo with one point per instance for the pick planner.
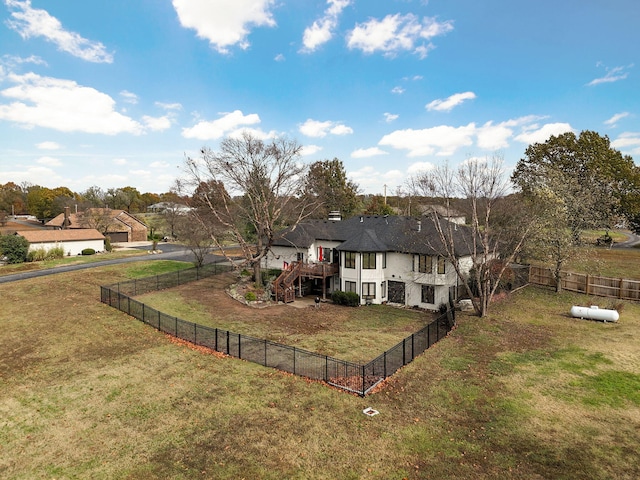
(542, 134)
(494, 137)
(11, 61)
(369, 179)
(321, 31)
(162, 165)
(48, 146)
(49, 162)
(616, 118)
(120, 161)
(157, 124)
(63, 105)
(215, 129)
(614, 74)
(317, 129)
(169, 106)
(628, 143)
(419, 167)
(224, 23)
(341, 129)
(129, 97)
(308, 150)
(390, 117)
(368, 152)
(447, 104)
(441, 140)
(34, 22)
(397, 90)
(279, 58)
(37, 175)
(396, 33)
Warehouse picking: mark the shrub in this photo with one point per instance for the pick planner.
(250, 297)
(107, 244)
(88, 251)
(349, 299)
(36, 255)
(55, 252)
(14, 248)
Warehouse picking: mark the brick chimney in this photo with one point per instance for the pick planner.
(67, 221)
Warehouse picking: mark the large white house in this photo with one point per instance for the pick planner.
(381, 258)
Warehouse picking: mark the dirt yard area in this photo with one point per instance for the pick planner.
(357, 333)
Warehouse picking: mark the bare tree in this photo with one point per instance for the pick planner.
(491, 248)
(197, 239)
(252, 186)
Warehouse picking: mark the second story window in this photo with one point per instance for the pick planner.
(424, 264)
(349, 259)
(441, 265)
(369, 260)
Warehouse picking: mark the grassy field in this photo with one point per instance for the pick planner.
(525, 393)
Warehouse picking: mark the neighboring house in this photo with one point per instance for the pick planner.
(72, 241)
(118, 225)
(445, 212)
(381, 258)
(171, 207)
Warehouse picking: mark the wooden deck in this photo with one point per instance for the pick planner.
(284, 286)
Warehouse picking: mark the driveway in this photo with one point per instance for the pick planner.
(632, 241)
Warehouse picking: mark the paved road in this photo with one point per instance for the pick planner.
(632, 240)
(169, 252)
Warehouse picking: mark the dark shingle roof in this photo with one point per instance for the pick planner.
(376, 233)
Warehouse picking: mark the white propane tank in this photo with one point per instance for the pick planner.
(595, 313)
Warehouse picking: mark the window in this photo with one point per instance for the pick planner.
(369, 260)
(425, 264)
(384, 259)
(441, 263)
(383, 289)
(350, 287)
(428, 294)
(368, 290)
(349, 259)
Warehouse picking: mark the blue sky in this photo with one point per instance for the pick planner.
(116, 92)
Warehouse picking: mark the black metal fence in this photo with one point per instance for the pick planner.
(346, 375)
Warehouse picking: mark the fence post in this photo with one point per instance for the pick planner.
(404, 347)
(384, 369)
(195, 333)
(363, 383)
(413, 354)
(265, 352)
(294, 360)
(159, 321)
(239, 346)
(326, 368)
(128, 305)
(216, 342)
(143, 319)
(157, 282)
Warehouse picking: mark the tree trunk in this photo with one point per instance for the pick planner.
(558, 277)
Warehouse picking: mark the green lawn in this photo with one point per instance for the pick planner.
(525, 393)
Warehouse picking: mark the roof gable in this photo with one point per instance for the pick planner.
(71, 235)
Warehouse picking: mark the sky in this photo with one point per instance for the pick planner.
(117, 93)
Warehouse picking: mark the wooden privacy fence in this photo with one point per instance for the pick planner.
(620, 288)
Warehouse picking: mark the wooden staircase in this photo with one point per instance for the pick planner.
(284, 286)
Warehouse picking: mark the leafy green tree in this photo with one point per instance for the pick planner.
(14, 248)
(13, 198)
(377, 206)
(327, 181)
(594, 182)
(46, 202)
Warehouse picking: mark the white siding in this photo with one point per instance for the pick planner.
(70, 247)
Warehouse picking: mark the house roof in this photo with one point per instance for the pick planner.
(118, 220)
(71, 235)
(377, 233)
